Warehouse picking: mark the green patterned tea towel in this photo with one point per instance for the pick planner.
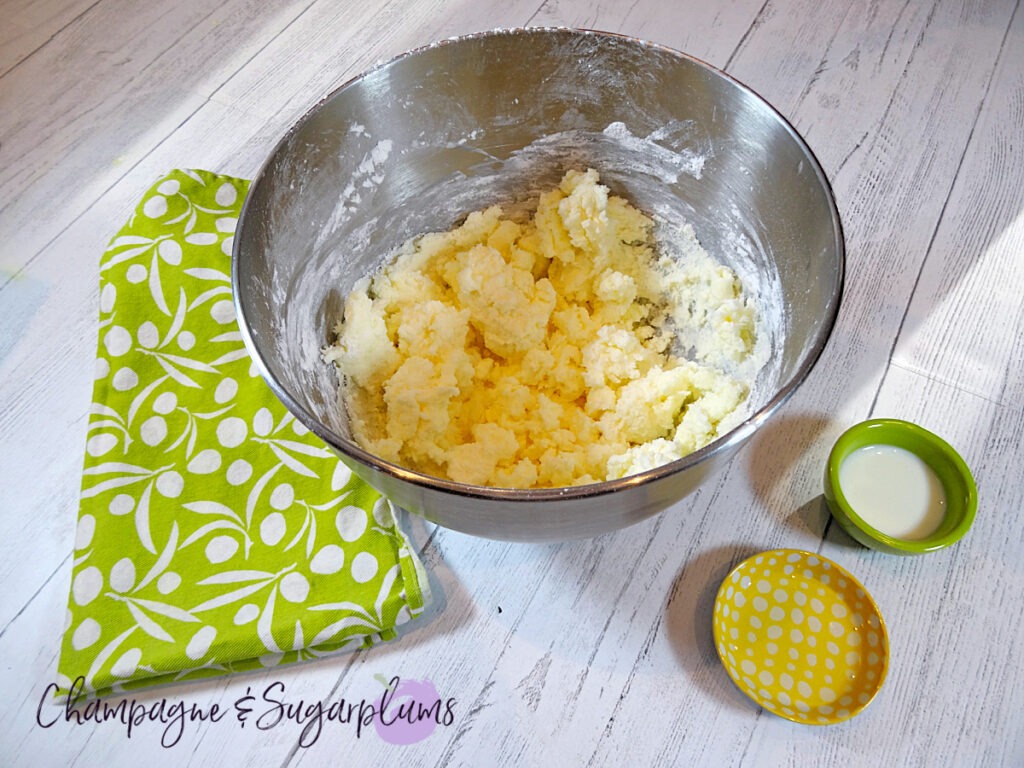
(215, 533)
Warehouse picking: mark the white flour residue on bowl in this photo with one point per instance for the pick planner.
(371, 169)
(366, 176)
(661, 159)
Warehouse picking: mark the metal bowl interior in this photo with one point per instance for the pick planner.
(415, 144)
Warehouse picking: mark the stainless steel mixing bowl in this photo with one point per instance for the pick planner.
(415, 144)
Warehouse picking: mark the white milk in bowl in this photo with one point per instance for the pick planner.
(894, 491)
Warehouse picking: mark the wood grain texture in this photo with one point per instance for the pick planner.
(595, 652)
(30, 25)
(957, 329)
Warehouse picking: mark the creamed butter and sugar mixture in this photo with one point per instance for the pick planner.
(556, 351)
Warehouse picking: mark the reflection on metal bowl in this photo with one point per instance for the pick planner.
(415, 144)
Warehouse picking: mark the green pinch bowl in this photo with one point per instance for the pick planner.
(952, 471)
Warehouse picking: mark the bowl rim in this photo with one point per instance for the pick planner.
(855, 437)
(348, 448)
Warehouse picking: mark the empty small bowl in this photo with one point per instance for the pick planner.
(897, 488)
(801, 636)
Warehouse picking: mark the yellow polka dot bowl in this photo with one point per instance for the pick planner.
(801, 637)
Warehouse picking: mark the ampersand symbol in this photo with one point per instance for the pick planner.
(242, 707)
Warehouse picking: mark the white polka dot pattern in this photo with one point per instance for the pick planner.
(800, 636)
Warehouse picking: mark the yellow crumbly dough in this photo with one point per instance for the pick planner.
(540, 353)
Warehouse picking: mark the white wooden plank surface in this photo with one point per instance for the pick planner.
(28, 26)
(593, 652)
